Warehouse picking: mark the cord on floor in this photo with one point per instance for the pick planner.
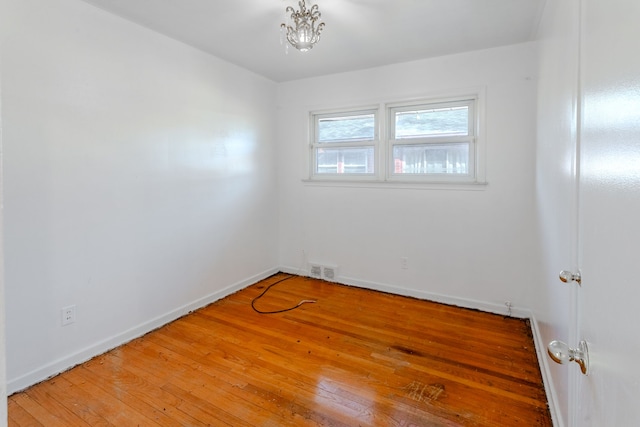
(304, 301)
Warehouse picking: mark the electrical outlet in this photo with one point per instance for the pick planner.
(404, 263)
(68, 315)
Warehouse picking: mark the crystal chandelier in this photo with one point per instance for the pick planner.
(304, 30)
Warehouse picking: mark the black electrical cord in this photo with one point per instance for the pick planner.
(304, 301)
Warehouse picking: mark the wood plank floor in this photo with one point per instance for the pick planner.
(354, 358)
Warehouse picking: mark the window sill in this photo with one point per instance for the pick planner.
(450, 186)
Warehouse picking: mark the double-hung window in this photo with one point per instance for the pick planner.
(426, 141)
(432, 141)
(345, 144)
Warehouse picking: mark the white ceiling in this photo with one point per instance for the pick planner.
(358, 33)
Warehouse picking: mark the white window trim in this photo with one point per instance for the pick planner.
(471, 139)
(383, 146)
(375, 143)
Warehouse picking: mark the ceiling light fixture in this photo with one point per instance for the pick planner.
(304, 30)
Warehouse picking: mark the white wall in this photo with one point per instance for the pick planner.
(552, 302)
(139, 181)
(473, 247)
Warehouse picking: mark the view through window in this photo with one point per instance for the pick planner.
(424, 141)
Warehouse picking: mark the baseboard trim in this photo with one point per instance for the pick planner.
(430, 296)
(518, 312)
(547, 378)
(58, 366)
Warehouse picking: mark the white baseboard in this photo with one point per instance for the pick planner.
(430, 296)
(547, 379)
(57, 366)
(523, 313)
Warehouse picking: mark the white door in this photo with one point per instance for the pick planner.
(556, 188)
(609, 214)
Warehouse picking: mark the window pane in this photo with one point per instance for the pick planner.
(432, 122)
(431, 159)
(345, 160)
(348, 128)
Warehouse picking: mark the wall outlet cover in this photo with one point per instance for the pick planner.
(68, 315)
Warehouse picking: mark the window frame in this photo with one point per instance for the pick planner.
(316, 116)
(384, 142)
(471, 102)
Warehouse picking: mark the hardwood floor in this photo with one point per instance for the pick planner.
(354, 358)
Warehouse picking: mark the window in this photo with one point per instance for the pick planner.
(425, 141)
(345, 143)
(434, 141)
